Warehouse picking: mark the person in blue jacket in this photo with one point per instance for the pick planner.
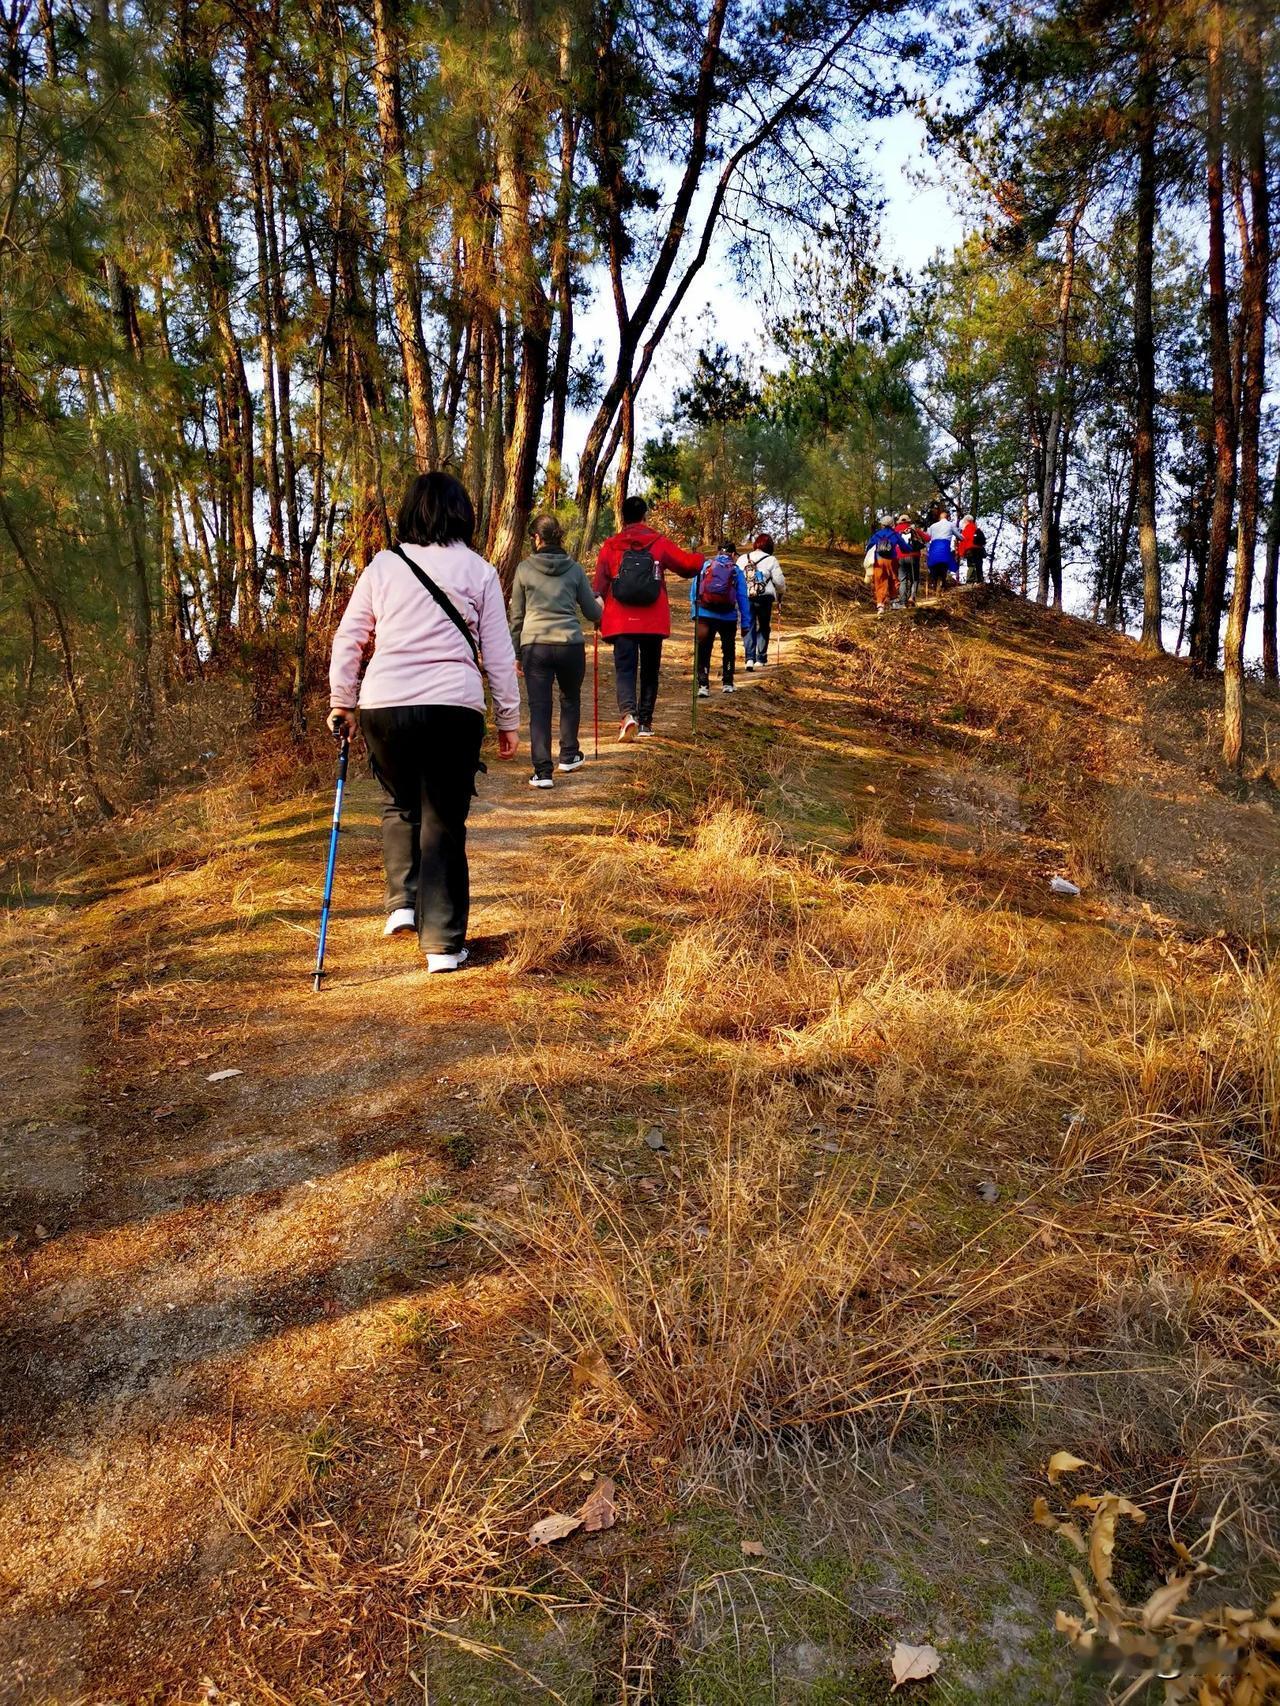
(884, 547)
(718, 603)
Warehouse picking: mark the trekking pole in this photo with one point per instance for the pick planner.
(595, 685)
(344, 750)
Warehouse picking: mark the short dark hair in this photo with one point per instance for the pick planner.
(764, 542)
(436, 511)
(633, 509)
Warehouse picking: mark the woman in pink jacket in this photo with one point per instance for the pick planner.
(435, 613)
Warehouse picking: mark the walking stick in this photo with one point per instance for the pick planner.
(693, 654)
(344, 750)
(777, 611)
(595, 685)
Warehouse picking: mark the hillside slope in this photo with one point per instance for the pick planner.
(792, 1156)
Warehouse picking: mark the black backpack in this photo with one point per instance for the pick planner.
(638, 580)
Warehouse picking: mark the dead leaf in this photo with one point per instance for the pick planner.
(1164, 1601)
(752, 1548)
(598, 1509)
(1041, 1513)
(1065, 1463)
(913, 1664)
(227, 1072)
(553, 1528)
(1102, 1535)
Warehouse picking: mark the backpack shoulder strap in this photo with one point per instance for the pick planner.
(443, 600)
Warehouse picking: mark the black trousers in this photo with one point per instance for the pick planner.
(426, 758)
(637, 659)
(548, 665)
(708, 628)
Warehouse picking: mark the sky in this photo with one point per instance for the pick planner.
(918, 220)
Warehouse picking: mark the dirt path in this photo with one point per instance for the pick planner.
(198, 1268)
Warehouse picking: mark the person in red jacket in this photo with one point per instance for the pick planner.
(631, 579)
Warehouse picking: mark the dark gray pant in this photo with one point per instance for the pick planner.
(426, 758)
(637, 656)
(548, 665)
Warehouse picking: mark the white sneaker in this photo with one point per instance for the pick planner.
(542, 781)
(574, 763)
(644, 733)
(704, 693)
(447, 962)
(629, 729)
(728, 688)
(399, 922)
(751, 663)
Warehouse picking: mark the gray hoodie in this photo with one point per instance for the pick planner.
(547, 593)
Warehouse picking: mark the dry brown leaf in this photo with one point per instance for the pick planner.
(913, 1664)
(1075, 1630)
(1102, 1534)
(1086, 1596)
(1065, 1463)
(598, 1510)
(1164, 1601)
(1041, 1513)
(553, 1528)
(753, 1548)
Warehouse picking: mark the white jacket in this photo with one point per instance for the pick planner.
(756, 565)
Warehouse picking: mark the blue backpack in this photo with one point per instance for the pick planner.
(715, 584)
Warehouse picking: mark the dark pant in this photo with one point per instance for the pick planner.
(548, 665)
(758, 633)
(976, 567)
(637, 655)
(909, 577)
(708, 628)
(426, 758)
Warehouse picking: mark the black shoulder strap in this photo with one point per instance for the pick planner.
(444, 601)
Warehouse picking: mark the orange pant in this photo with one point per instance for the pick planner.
(884, 581)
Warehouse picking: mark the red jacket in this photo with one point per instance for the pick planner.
(652, 618)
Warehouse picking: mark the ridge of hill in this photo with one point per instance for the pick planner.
(792, 1157)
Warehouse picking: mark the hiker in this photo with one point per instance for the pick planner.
(766, 585)
(911, 542)
(883, 547)
(549, 591)
(432, 609)
(715, 593)
(942, 560)
(631, 579)
(976, 556)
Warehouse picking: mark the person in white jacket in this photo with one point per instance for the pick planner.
(766, 585)
(434, 612)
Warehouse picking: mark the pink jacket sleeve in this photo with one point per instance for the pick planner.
(499, 655)
(353, 634)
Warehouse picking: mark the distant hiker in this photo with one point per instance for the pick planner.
(434, 612)
(942, 558)
(911, 542)
(630, 578)
(976, 556)
(549, 591)
(766, 585)
(714, 597)
(967, 528)
(885, 544)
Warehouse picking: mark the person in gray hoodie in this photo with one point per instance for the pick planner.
(549, 595)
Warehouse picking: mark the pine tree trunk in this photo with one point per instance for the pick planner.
(1270, 672)
(1253, 305)
(1144, 351)
(1050, 547)
(1208, 621)
(406, 294)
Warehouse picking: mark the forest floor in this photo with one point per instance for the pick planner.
(791, 1159)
